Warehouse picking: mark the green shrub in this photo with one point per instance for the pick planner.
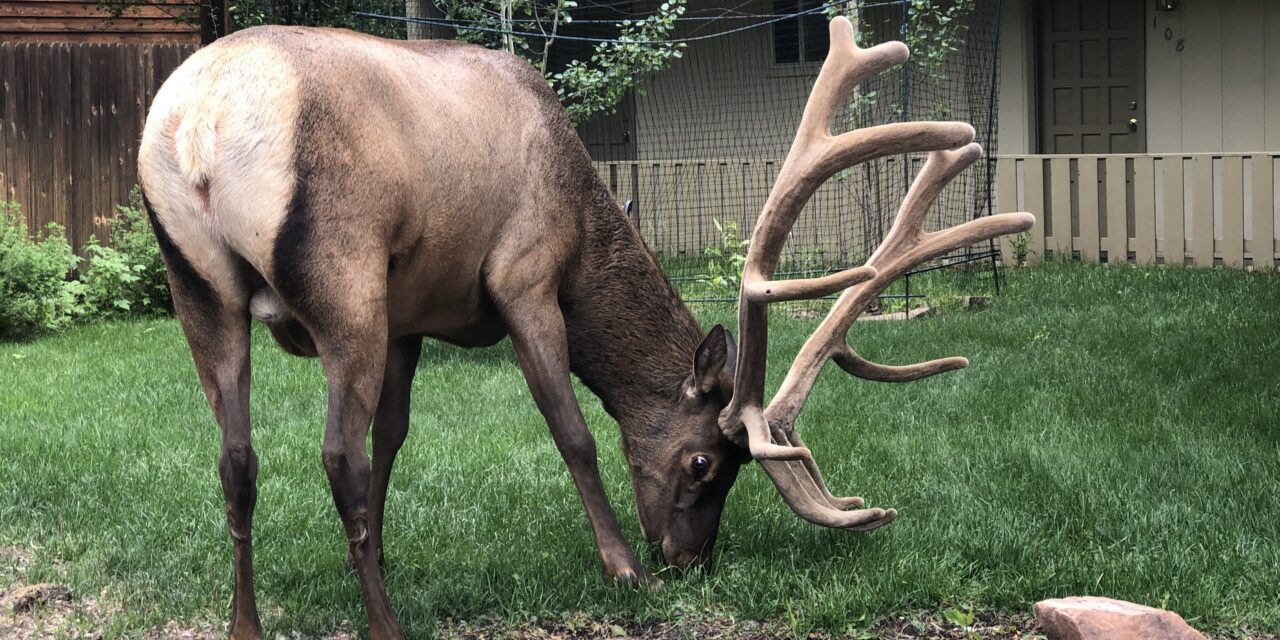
(725, 260)
(127, 277)
(35, 294)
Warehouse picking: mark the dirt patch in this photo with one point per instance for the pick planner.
(919, 626)
(178, 631)
(24, 600)
(39, 611)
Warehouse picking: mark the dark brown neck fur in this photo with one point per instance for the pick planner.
(631, 339)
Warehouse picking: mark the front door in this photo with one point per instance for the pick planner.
(1092, 65)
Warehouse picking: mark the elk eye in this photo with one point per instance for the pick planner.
(700, 465)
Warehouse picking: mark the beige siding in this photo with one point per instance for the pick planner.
(1221, 93)
(1164, 120)
(1243, 70)
(1270, 52)
(1016, 129)
(725, 98)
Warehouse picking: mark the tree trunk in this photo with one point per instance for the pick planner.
(426, 10)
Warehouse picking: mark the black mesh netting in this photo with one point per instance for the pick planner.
(694, 148)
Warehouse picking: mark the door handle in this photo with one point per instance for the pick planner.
(1133, 124)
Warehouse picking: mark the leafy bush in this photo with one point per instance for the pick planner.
(128, 277)
(726, 259)
(35, 294)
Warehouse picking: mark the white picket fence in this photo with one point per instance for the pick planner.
(1201, 209)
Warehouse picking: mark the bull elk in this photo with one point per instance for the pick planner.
(357, 194)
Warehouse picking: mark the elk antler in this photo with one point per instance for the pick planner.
(815, 156)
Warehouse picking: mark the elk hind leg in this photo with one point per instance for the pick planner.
(390, 426)
(349, 326)
(215, 319)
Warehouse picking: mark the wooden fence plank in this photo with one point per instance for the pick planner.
(100, 136)
(28, 131)
(1233, 211)
(1263, 212)
(1202, 211)
(42, 148)
(6, 87)
(732, 194)
(1088, 209)
(1006, 201)
(1174, 246)
(1117, 244)
(58, 104)
(15, 143)
(1144, 210)
(1033, 202)
(1060, 206)
(80, 191)
(23, 55)
(125, 176)
(705, 214)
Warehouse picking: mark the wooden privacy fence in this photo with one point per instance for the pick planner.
(1193, 208)
(71, 116)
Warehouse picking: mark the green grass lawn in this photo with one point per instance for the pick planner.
(1117, 433)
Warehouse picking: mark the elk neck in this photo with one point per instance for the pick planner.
(631, 338)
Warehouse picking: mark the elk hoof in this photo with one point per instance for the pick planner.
(637, 578)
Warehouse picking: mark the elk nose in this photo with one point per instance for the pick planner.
(682, 559)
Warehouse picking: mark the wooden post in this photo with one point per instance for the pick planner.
(215, 21)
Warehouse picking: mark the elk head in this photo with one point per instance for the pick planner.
(683, 466)
(767, 431)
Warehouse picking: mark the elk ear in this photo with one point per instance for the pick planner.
(730, 371)
(714, 357)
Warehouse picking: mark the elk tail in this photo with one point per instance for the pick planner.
(196, 143)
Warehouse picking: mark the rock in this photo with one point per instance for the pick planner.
(1092, 618)
(976, 302)
(24, 599)
(915, 312)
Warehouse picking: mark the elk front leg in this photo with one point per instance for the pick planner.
(538, 335)
(390, 426)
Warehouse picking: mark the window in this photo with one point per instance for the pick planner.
(802, 38)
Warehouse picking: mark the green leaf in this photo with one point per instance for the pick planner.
(959, 617)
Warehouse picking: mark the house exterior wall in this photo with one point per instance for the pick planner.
(1015, 130)
(1221, 93)
(724, 98)
(728, 98)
